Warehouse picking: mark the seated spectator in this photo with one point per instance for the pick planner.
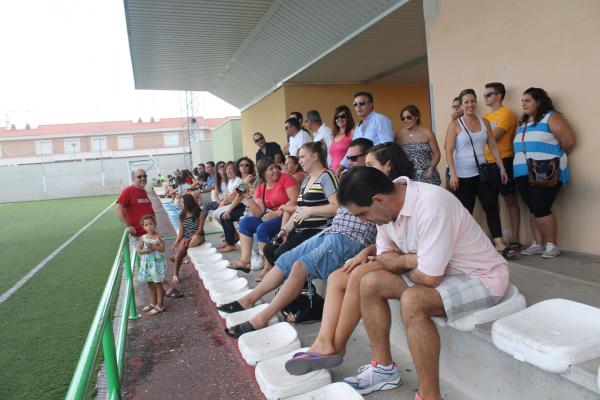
(432, 256)
(297, 136)
(266, 217)
(223, 193)
(234, 211)
(267, 149)
(317, 203)
(293, 168)
(343, 129)
(420, 145)
(544, 136)
(319, 131)
(316, 258)
(189, 233)
(341, 312)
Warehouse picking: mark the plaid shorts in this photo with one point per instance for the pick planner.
(462, 294)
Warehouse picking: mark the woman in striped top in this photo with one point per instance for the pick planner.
(543, 134)
(189, 233)
(317, 203)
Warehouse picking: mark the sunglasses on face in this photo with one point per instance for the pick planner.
(360, 103)
(407, 118)
(258, 140)
(354, 158)
(340, 116)
(488, 94)
(142, 176)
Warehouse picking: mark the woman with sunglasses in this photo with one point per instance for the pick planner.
(343, 129)
(245, 169)
(465, 143)
(420, 145)
(277, 189)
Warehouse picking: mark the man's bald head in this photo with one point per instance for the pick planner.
(139, 178)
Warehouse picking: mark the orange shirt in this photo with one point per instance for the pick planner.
(502, 118)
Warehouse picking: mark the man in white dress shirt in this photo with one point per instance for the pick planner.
(297, 136)
(319, 130)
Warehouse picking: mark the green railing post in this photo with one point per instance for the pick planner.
(110, 361)
(129, 275)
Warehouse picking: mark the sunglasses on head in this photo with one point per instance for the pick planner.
(354, 158)
(142, 176)
(407, 118)
(340, 116)
(488, 94)
(360, 103)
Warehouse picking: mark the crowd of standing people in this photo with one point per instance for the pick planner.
(364, 209)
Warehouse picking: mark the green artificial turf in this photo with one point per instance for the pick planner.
(45, 323)
(30, 231)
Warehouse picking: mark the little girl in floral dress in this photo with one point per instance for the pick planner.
(152, 265)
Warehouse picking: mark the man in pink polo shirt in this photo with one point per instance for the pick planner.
(433, 257)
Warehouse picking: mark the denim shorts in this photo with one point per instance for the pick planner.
(321, 255)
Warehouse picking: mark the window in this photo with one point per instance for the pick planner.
(125, 142)
(98, 144)
(43, 147)
(72, 146)
(172, 139)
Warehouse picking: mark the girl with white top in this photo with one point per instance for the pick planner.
(465, 143)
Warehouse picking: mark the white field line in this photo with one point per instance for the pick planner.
(45, 261)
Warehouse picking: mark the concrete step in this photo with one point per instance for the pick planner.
(471, 361)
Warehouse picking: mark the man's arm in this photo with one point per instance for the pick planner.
(397, 262)
(121, 215)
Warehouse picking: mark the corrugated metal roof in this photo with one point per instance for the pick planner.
(239, 50)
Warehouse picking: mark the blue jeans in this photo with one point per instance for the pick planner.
(321, 254)
(265, 230)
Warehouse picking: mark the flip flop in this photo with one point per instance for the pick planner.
(226, 249)
(236, 331)
(300, 365)
(508, 253)
(232, 307)
(174, 293)
(239, 266)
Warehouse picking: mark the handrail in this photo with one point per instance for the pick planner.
(102, 329)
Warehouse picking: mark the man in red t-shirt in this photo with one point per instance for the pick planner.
(132, 205)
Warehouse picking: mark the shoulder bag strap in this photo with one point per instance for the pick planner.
(471, 140)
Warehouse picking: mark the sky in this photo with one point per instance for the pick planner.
(66, 61)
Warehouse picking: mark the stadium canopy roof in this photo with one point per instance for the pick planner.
(242, 50)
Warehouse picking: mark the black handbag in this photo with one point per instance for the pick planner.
(306, 308)
(487, 172)
(541, 173)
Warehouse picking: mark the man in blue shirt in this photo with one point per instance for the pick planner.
(373, 126)
(210, 180)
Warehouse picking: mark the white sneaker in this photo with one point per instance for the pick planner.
(534, 249)
(551, 251)
(257, 262)
(370, 379)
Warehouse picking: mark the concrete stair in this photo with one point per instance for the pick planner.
(470, 360)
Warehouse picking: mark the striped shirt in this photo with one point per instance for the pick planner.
(540, 144)
(190, 226)
(317, 195)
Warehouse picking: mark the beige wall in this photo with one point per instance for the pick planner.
(269, 114)
(552, 44)
(266, 116)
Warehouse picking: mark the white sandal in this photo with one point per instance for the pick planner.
(156, 310)
(149, 307)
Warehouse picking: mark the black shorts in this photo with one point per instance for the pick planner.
(538, 200)
(510, 185)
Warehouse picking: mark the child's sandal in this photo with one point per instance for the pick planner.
(149, 307)
(156, 310)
